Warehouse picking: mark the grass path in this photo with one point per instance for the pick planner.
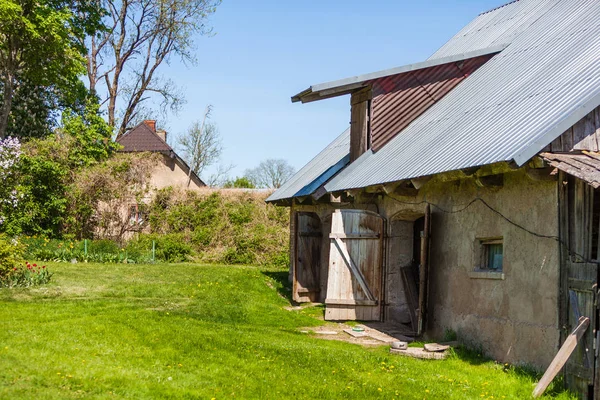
(197, 331)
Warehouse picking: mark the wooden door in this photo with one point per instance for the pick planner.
(307, 263)
(424, 273)
(579, 279)
(355, 266)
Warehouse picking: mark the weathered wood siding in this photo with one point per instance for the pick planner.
(306, 277)
(355, 265)
(584, 135)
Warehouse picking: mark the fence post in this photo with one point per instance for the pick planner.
(85, 247)
(153, 250)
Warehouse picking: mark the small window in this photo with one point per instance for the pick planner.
(491, 255)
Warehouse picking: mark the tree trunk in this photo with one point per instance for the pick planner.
(6, 104)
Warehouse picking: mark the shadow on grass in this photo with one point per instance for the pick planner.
(284, 286)
(476, 357)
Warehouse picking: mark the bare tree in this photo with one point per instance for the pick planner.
(271, 173)
(201, 145)
(123, 62)
(221, 175)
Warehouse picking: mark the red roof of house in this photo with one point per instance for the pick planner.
(143, 138)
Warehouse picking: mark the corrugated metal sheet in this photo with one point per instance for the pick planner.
(400, 99)
(583, 166)
(348, 85)
(497, 27)
(318, 171)
(511, 108)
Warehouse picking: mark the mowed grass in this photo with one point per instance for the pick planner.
(184, 331)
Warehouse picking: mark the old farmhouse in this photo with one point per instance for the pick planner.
(173, 170)
(463, 196)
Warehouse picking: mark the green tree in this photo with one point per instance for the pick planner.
(47, 171)
(92, 136)
(240, 182)
(42, 54)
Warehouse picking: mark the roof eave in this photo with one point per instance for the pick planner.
(348, 85)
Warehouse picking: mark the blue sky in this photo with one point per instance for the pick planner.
(265, 51)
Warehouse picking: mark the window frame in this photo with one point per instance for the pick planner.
(481, 268)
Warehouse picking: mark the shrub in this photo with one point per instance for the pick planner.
(26, 276)
(172, 248)
(11, 255)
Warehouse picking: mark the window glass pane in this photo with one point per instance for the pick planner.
(494, 252)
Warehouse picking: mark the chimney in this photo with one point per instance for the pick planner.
(162, 134)
(359, 123)
(151, 124)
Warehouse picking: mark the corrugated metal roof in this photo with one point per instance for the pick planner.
(400, 99)
(497, 27)
(348, 85)
(318, 171)
(510, 108)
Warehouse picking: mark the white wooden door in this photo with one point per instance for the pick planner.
(355, 266)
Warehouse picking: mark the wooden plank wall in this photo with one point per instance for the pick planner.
(584, 135)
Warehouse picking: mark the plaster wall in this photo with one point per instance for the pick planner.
(514, 319)
(169, 173)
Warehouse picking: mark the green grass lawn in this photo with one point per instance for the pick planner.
(202, 331)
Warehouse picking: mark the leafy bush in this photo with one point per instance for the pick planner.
(223, 227)
(11, 255)
(233, 227)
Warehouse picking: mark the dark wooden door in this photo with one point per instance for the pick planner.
(355, 266)
(309, 236)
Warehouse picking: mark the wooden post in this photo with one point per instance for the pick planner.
(562, 356)
(424, 273)
(359, 131)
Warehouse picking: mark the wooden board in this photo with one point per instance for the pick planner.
(562, 356)
(355, 263)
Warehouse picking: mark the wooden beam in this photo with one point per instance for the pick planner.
(562, 356)
(419, 182)
(391, 187)
(358, 127)
(365, 94)
(320, 192)
(353, 192)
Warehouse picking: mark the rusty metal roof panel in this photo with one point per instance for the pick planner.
(318, 171)
(509, 109)
(497, 27)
